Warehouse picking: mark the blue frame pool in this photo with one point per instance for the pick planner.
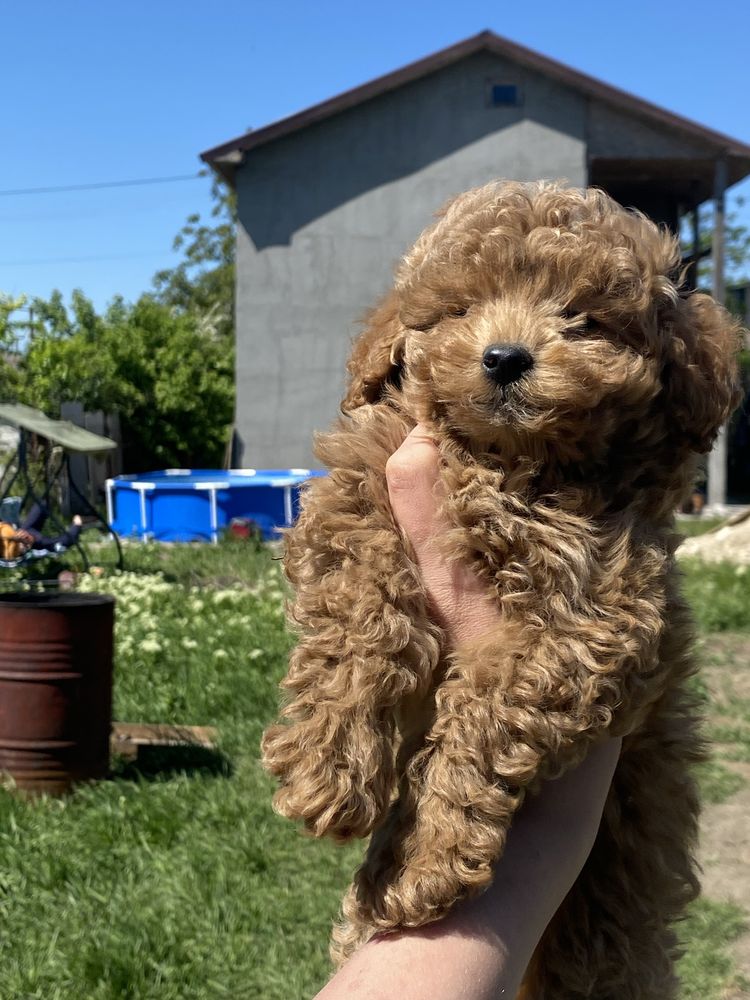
(191, 505)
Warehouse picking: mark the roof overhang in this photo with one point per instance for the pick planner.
(226, 157)
(690, 181)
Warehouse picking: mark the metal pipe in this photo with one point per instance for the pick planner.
(108, 500)
(288, 506)
(141, 488)
(717, 460)
(695, 220)
(214, 517)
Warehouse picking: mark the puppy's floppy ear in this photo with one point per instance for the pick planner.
(377, 355)
(700, 374)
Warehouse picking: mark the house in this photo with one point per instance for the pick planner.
(329, 199)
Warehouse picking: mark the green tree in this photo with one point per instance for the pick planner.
(165, 363)
(8, 344)
(736, 243)
(202, 284)
(171, 384)
(8, 305)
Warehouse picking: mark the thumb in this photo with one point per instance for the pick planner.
(414, 486)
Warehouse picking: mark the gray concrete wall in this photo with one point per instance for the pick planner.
(613, 133)
(324, 215)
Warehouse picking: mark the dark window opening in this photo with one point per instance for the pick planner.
(504, 95)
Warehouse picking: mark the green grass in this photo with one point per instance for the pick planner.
(719, 594)
(706, 967)
(177, 883)
(233, 561)
(174, 880)
(690, 527)
(727, 662)
(724, 659)
(717, 782)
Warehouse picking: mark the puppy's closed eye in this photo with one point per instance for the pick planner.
(577, 323)
(456, 312)
(449, 312)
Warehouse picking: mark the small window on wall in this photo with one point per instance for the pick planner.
(504, 95)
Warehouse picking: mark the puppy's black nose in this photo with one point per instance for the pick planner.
(504, 363)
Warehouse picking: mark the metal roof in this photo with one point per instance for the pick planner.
(227, 155)
(61, 432)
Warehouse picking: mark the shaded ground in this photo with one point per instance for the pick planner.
(725, 834)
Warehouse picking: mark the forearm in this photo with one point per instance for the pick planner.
(481, 950)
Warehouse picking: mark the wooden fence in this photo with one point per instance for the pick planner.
(91, 472)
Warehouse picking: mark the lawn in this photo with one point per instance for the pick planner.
(174, 880)
(691, 526)
(178, 882)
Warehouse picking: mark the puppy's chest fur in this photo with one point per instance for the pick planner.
(546, 557)
(593, 593)
(548, 564)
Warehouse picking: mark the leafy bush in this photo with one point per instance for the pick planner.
(170, 382)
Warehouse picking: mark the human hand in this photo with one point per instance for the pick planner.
(460, 600)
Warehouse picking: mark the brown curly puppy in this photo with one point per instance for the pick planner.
(542, 334)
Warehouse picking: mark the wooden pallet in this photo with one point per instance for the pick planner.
(128, 737)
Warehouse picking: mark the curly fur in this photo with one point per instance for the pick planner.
(560, 490)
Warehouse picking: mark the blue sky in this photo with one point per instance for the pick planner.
(112, 91)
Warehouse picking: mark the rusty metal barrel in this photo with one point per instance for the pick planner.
(55, 689)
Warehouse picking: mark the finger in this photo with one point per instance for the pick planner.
(414, 486)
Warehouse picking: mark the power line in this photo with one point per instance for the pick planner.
(82, 260)
(98, 185)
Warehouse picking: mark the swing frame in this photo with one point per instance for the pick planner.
(71, 439)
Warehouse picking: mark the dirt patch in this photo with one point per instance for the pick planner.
(725, 845)
(725, 828)
(725, 858)
(725, 666)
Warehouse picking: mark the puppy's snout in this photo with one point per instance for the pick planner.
(505, 363)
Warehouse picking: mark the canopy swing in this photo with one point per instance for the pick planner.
(18, 477)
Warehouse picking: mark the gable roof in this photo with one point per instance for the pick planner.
(227, 155)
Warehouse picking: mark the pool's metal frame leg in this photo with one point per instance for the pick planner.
(288, 512)
(214, 517)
